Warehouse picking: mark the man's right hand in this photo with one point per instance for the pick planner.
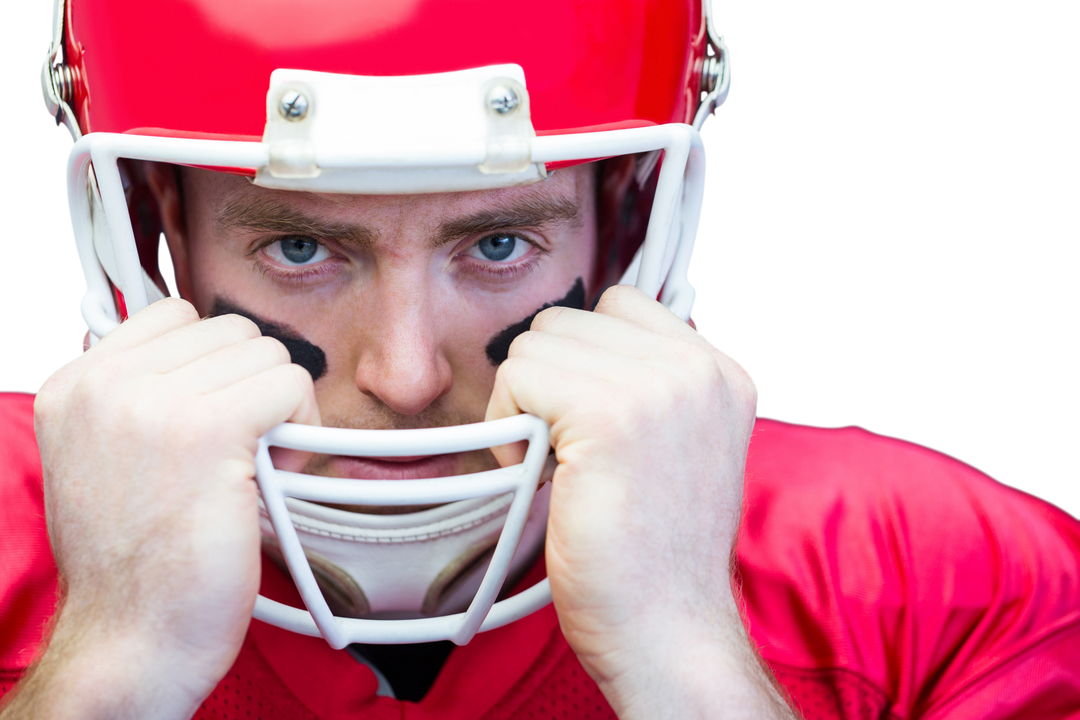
(148, 443)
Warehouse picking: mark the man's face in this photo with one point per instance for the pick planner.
(411, 299)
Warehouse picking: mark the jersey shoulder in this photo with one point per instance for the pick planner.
(27, 572)
(899, 574)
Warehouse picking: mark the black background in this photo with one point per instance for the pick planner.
(867, 249)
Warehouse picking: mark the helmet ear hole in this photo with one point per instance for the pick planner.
(624, 200)
(145, 218)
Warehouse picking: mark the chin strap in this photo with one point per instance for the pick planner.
(412, 565)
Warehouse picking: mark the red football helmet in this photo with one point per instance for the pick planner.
(372, 97)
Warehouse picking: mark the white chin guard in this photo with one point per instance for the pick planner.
(483, 612)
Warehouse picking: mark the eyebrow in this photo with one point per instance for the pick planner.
(266, 215)
(522, 213)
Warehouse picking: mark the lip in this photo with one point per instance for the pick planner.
(399, 468)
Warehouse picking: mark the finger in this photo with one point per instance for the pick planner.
(238, 362)
(627, 303)
(189, 343)
(628, 322)
(284, 393)
(525, 385)
(598, 361)
(612, 333)
(290, 460)
(157, 320)
(152, 322)
(509, 398)
(623, 302)
(231, 364)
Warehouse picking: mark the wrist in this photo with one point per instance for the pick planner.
(693, 666)
(90, 673)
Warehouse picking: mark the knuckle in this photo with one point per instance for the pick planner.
(92, 384)
(731, 382)
(671, 389)
(744, 388)
(299, 377)
(733, 371)
(238, 326)
(704, 367)
(633, 410)
(178, 308)
(508, 371)
(653, 392)
(550, 318)
(615, 298)
(301, 386)
(274, 349)
(145, 410)
(53, 391)
(46, 402)
(692, 377)
(522, 343)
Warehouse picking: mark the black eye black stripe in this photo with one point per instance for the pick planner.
(303, 353)
(499, 346)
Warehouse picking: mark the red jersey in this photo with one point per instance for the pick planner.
(880, 580)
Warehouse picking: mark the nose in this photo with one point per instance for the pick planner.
(402, 363)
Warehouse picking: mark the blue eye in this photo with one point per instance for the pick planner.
(299, 250)
(497, 247)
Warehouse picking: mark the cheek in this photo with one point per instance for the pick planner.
(302, 352)
(498, 347)
(214, 273)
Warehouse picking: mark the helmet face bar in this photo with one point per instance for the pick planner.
(521, 480)
(328, 97)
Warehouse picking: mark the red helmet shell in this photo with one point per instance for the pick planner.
(201, 68)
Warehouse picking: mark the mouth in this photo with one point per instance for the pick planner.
(399, 468)
(416, 467)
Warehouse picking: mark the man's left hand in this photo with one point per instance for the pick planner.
(650, 425)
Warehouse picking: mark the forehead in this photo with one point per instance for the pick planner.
(219, 197)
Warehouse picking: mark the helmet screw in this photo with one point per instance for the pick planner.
(503, 100)
(710, 74)
(293, 105)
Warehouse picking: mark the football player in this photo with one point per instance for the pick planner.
(430, 410)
